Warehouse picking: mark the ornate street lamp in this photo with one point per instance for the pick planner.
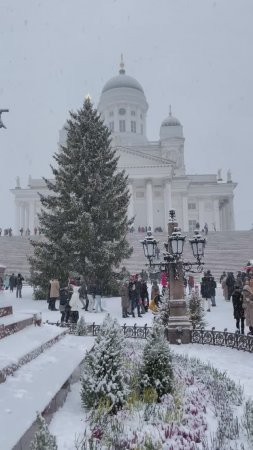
(198, 244)
(176, 243)
(149, 246)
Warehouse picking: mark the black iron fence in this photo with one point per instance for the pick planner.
(198, 335)
(222, 339)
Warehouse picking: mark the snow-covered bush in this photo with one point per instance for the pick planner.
(81, 327)
(164, 310)
(156, 374)
(103, 379)
(43, 440)
(195, 309)
(247, 420)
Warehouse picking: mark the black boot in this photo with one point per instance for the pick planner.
(133, 314)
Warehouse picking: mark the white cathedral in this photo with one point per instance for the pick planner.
(157, 180)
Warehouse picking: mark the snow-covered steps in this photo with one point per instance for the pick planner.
(41, 385)
(17, 350)
(13, 323)
(5, 311)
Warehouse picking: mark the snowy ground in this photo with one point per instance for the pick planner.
(238, 365)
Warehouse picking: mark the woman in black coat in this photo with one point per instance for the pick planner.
(237, 300)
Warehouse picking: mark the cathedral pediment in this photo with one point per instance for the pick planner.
(130, 157)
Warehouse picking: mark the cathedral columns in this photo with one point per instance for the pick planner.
(216, 205)
(149, 200)
(167, 202)
(201, 213)
(185, 213)
(17, 216)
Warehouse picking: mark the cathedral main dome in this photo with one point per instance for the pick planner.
(122, 81)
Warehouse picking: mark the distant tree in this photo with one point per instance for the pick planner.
(43, 439)
(84, 218)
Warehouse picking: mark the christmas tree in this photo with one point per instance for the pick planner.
(164, 310)
(103, 379)
(43, 440)
(81, 327)
(84, 218)
(195, 309)
(156, 371)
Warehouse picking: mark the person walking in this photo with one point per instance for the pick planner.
(248, 305)
(134, 295)
(206, 290)
(213, 287)
(54, 292)
(230, 282)
(12, 282)
(19, 285)
(74, 304)
(144, 296)
(237, 299)
(124, 293)
(83, 296)
(63, 304)
(98, 296)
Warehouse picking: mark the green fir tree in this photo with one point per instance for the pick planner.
(84, 218)
(43, 439)
(156, 372)
(195, 309)
(103, 378)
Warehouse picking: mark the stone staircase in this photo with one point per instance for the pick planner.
(227, 251)
(37, 367)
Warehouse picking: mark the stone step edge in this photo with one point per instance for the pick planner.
(25, 359)
(5, 311)
(6, 330)
(55, 403)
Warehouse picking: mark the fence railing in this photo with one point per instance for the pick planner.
(222, 339)
(198, 335)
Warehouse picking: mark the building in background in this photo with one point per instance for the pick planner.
(156, 170)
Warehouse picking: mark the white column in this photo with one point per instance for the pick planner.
(130, 212)
(216, 214)
(167, 201)
(149, 202)
(27, 214)
(32, 216)
(17, 217)
(231, 214)
(185, 213)
(201, 213)
(23, 216)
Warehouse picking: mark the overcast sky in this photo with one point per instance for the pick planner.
(193, 54)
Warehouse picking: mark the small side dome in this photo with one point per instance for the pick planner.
(171, 127)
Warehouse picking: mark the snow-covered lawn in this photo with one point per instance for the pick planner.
(71, 420)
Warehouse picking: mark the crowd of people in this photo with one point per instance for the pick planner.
(22, 231)
(12, 282)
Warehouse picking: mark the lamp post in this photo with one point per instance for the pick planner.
(179, 325)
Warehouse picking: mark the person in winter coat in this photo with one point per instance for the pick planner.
(83, 296)
(206, 290)
(155, 293)
(98, 296)
(248, 306)
(230, 282)
(190, 283)
(64, 304)
(144, 296)
(75, 305)
(91, 295)
(224, 288)
(124, 293)
(237, 299)
(12, 282)
(134, 295)
(54, 292)
(19, 285)
(213, 286)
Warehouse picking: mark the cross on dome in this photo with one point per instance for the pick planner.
(122, 65)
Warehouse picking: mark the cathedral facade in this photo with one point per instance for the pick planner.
(157, 179)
